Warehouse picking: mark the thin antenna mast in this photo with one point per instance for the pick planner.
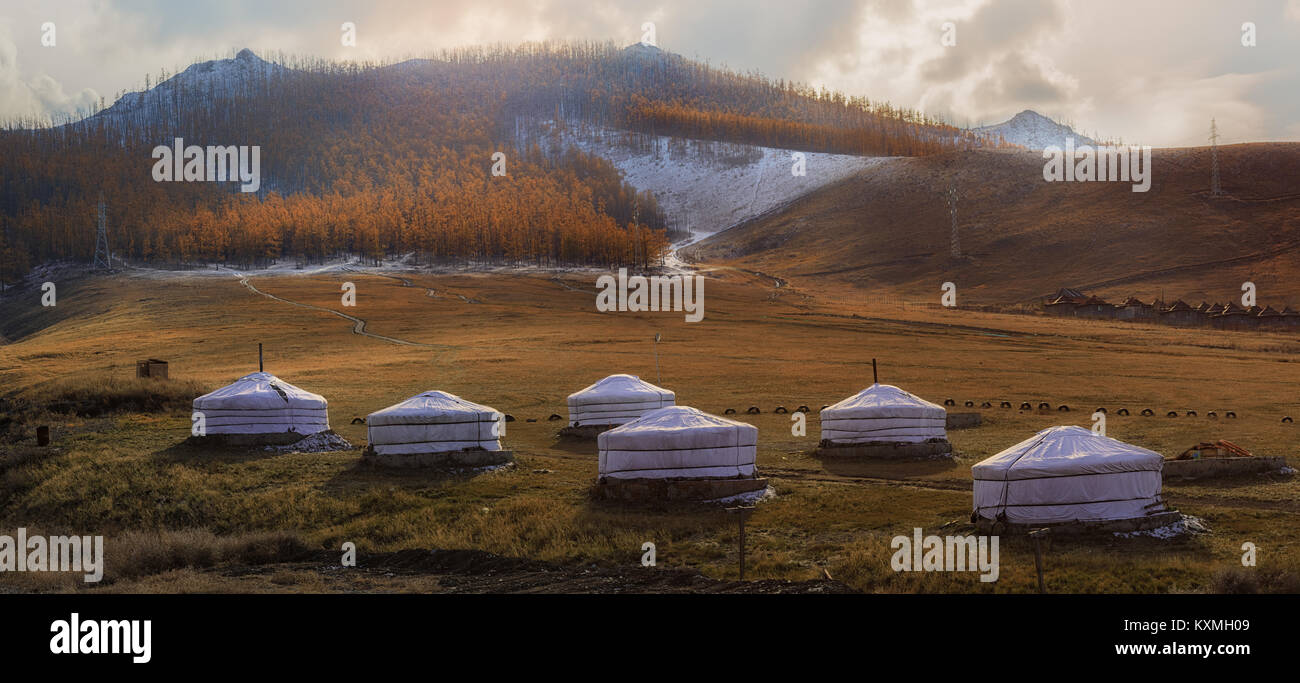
(1216, 190)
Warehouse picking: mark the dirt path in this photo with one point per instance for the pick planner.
(358, 325)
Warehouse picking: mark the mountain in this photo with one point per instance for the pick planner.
(225, 78)
(387, 160)
(1034, 131)
(887, 230)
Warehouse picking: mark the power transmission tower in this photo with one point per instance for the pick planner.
(103, 257)
(1216, 190)
(955, 246)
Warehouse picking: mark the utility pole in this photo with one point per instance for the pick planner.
(103, 257)
(1216, 190)
(955, 244)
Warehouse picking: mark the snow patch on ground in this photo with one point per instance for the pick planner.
(706, 187)
(1187, 525)
(748, 497)
(1287, 470)
(320, 442)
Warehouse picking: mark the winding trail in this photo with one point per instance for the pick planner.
(358, 325)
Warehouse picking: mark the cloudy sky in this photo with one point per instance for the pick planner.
(1147, 71)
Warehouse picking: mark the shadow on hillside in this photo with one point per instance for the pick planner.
(188, 453)
(887, 469)
(575, 446)
(362, 476)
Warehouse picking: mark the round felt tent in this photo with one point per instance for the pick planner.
(616, 400)
(678, 442)
(436, 427)
(1068, 474)
(262, 407)
(883, 413)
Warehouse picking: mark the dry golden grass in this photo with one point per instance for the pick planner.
(529, 342)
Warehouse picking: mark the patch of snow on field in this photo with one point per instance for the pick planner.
(1187, 525)
(706, 195)
(320, 442)
(1287, 470)
(748, 497)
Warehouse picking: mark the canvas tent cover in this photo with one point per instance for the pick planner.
(678, 442)
(883, 412)
(616, 400)
(434, 422)
(262, 403)
(1065, 474)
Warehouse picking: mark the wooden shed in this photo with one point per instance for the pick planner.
(151, 367)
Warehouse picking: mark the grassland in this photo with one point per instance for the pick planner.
(521, 344)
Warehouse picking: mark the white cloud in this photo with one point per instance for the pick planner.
(1154, 72)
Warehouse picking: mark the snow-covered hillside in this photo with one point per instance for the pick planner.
(707, 187)
(1033, 130)
(215, 78)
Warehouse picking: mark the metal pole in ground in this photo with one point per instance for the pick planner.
(1037, 535)
(659, 375)
(742, 511)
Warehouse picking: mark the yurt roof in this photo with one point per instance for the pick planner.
(678, 424)
(616, 387)
(432, 407)
(885, 400)
(259, 391)
(1065, 451)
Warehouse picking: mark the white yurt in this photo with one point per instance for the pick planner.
(616, 400)
(434, 422)
(678, 442)
(883, 413)
(1067, 474)
(262, 404)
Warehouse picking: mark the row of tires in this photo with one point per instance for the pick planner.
(1146, 412)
